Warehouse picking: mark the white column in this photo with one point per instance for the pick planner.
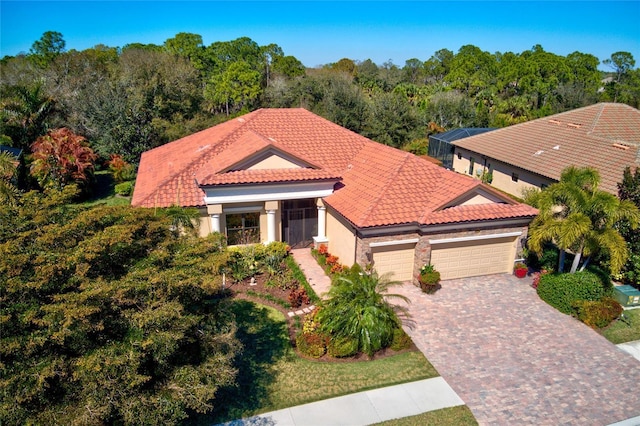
(322, 222)
(321, 238)
(271, 226)
(215, 222)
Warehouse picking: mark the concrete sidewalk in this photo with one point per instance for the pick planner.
(632, 348)
(363, 408)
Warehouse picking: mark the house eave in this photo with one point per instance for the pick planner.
(240, 193)
(376, 231)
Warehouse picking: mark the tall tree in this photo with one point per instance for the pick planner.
(47, 48)
(392, 121)
(234, 89)
(578, 217)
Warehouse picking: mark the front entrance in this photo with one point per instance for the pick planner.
(299, 222)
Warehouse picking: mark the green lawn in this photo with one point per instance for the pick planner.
(104, 192)
(452, 416)
(622, 332)
(272, 376)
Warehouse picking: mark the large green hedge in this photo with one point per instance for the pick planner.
(562, 290)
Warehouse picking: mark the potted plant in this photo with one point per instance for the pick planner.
(429, 279)
(520, 270)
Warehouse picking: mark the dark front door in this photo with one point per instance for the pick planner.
(299, 222)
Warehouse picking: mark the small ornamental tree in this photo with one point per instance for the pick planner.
(60, 158)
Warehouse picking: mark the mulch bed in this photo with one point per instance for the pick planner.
(241, 289)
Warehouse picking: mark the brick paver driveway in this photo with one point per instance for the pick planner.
(515, 360)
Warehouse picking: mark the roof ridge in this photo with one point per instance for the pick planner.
(391, 178)
(594, 123)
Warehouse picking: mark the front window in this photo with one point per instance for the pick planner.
(243, 228)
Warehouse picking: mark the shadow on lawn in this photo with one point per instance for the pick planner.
(265, 341)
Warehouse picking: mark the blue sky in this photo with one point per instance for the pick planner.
(324, 32)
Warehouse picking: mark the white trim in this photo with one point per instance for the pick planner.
(394, 242)
(259, 193)
(475, 238)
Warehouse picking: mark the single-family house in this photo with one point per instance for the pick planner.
(441, 144)
(605, 136)
(290, 175)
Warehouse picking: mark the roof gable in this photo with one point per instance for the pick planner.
(605, 136)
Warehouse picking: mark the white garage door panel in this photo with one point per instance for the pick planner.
(397, 259)
(471, 258)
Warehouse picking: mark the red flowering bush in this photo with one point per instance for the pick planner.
(298, 297)
(323, 250)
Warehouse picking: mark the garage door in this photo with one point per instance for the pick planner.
(397, 259)
(459, 259)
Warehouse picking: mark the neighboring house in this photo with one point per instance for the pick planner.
(604, 136)
(290, 175)
(441, 145)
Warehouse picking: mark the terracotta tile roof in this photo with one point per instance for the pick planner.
(605, 136)
(380, 185)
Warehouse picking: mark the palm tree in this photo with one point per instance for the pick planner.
(358, 308)
(26, 114)
(8, 192)
(578, 217)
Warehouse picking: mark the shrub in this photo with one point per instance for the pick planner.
(597, 314)
(298, 297)
(332, 260)
(342, 347)
(120, 169)
(312, 344)
(311, 323)
(429, 279)
(125, 188)
(562, 290)
(401, 340)
(323, 250)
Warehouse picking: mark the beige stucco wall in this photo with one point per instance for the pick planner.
(274, 162)
(342, 238)
(502, 173)
(477, 199)
(205, 223)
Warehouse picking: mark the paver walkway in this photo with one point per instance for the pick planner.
(513, 359)
(316, 277)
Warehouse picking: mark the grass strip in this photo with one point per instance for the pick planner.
(270, 298)
(299, 275)
(621, 331)
(299, 380)
(459, 416)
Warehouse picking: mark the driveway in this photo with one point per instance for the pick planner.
(513, 359)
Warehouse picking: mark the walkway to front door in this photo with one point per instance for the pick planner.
(513, 359)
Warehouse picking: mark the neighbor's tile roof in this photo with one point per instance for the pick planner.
(379, 185)
(605, 136)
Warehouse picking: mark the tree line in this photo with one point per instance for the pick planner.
(127, 100)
